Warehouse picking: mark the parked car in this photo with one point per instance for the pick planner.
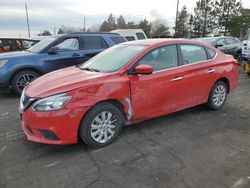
(15, 44)
(246, 53)
(56, 52)
(131, 34)
(125, 84)
(228, 45)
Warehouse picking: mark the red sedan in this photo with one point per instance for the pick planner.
(127, 83)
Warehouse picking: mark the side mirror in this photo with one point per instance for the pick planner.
(143, 69)
(53, 50)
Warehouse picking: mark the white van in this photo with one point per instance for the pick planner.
(246, 53)
(131, 34)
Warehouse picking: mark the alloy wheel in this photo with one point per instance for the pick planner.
(103, 127)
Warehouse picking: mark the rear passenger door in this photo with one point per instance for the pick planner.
(92, 45)
(199, 73)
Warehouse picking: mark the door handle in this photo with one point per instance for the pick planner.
(210, 71)
(176, 79)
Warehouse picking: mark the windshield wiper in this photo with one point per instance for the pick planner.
(89, 69)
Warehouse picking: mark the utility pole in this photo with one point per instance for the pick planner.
(177, 13)
(27, 18)
(84, 24)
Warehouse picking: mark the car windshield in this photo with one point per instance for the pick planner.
(37, 48)
(207, 40)
(113, 58)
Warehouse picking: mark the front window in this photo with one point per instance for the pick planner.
(161, 58)
(37, 48)
(113, 58)
(69, 44)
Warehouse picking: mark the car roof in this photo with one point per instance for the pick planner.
(220, 37)
(18, 39)
(94, 33)
(150, 42)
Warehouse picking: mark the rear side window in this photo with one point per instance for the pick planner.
(193, 53)
(210, 53)
(130, 38)
(118, 40)
(231, 41)
(140, 36)
(93, 42)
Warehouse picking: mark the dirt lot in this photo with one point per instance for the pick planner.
(194, 148)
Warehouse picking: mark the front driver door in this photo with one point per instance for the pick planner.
(68, 54)
(158, 93)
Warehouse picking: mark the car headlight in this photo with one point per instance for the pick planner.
(3, 62)
(51, 103)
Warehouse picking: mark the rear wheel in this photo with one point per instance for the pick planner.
(218, 95)
(101, 125)
(21, 79)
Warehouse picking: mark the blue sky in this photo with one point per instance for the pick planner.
(47, 14)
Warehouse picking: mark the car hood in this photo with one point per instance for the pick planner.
(61, 81)
(18, 54)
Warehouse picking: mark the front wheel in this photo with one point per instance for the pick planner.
(218, 96)
(21, 79)
(101, 125)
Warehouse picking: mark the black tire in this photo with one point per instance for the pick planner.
(211, 100)
(15, 83)
(248, 73)
(88, 121)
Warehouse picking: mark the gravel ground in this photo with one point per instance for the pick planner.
(194, 148)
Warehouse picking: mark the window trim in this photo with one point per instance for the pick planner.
(179, 56)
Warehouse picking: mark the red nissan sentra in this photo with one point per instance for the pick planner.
(127, 83)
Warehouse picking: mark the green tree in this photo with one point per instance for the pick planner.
(132, 25)
(204, 18)
(181, 28)
(145, 26)
(60, 31)
(45, 33)
(228, 15)
(121, 23)
(160, 30)
(109, 24)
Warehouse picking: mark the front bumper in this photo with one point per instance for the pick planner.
(53, 127)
